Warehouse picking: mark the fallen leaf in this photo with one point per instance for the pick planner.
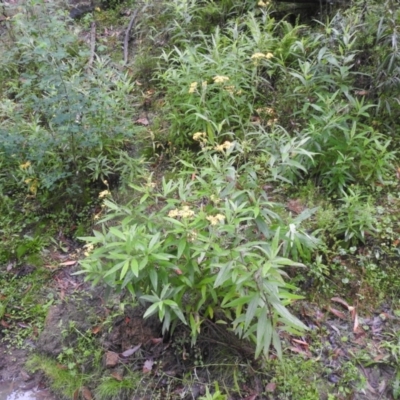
(341, 301)
(355, 327)
(270, 387)
(112, 359)
(129, 352)
(142, 121)
(338, 313)
(4, 324)
(87, 395)
(117, 376)
(302, 342)
(148, 366)
(156, 340)
(295, 206)
(178, 271)
(96, 329)
(67, 263)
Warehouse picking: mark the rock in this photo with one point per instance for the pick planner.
(66, 321)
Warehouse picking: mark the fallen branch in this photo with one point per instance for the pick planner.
(92, 44)
(127, 33)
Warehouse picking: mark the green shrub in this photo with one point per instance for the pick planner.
(207, 245)
(62, 127)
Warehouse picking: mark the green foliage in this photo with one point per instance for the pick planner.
(227, 81)
(207, 245)
(62, 127)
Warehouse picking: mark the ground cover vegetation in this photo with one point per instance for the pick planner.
(234, 177)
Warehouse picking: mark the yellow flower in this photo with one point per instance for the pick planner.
(220, 79)
(151, 185)
(262, 4)
(214, 219)
(257, 56)
(185, 212)
(272, 121)
(224, 146)
(198, 136)
(89, 248)
(173, 213)
(230, 89)
(25, 165)
(204, 84)
(193, 87)
(104, 193)
(32, 185)
(215, 199)
(192, 236)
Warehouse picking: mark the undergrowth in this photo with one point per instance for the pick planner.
(281, 144)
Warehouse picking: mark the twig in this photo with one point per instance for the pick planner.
(126, 40)
(92, 44)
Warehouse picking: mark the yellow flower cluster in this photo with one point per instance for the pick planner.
(185, 212)
(192, 236)
(151, 185)
(25, 165)
(89, 248)
(220, 79)
(268, 112)
(214, 219)
(193, 87)
(215, 199)
(263, 3)
(272, 121)
(224, 146)
(199, 136)
(260, 56)
(33, 185)
(104, 193)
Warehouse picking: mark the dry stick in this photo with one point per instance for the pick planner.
(92, 44)
(126, 40)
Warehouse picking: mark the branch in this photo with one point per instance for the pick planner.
(92, 44)
(126, 41)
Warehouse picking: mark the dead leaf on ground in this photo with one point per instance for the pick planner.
(96, 329)
(68, 263)
(129, 352)
(117, 376)
(270, 387)
(337, 313)
(143, 121)
(342, 302)
(148, 366)
(302, 342)
(295, 206)
(86, 393)
(355, 327)
(156, 340)
(4, 324)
